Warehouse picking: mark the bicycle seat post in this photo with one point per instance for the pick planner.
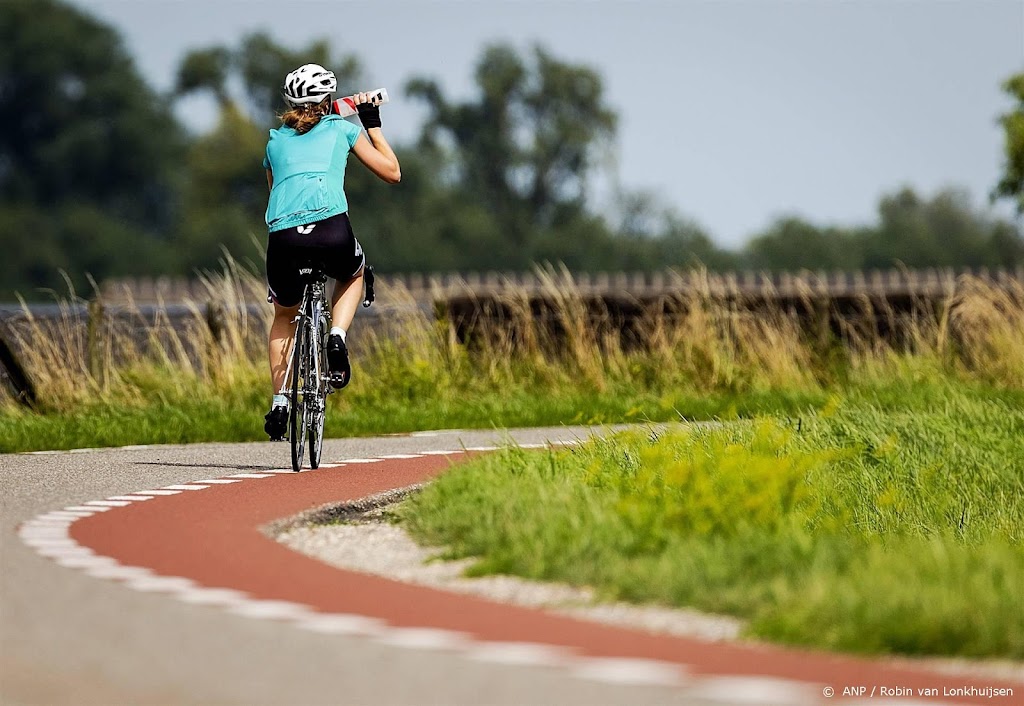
(312, 273)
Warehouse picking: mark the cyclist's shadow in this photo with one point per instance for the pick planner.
(208, 465)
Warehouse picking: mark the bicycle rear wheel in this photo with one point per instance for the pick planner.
(317, 404)
(298, 418)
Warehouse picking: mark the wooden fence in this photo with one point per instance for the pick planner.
(431, 287)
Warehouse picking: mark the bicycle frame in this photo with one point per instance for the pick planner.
(306, 380)
(311, 307)
(305, 374)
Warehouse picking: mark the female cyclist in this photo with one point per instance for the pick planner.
(307, 216)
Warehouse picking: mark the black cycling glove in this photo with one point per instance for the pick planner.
(369, 115)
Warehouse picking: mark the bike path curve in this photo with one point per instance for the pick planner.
(200, 542)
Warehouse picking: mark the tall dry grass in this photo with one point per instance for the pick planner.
(976, 333)
(558, 340)
(713, 344)
(92, 351)
(986, 331)
(562, 335)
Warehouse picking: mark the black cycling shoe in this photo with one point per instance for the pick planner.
(337, 362)
(277, 423)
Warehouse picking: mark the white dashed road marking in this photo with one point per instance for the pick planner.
(521, 653)
(630, 671)
(755, 690)
(341, 624)
(211, 596)
(273, 610)
(425, 639)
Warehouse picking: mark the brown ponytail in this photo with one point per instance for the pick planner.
(303, 118)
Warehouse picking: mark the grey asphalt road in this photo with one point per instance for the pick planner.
(68, 638)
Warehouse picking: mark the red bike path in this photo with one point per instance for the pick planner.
(214, 538)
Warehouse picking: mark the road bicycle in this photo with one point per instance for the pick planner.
(306, 381)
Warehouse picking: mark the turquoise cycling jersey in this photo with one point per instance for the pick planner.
(309, 172)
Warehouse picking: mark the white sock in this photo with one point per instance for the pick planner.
(338, 331)
(279, 401)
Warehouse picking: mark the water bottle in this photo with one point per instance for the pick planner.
(347, 106)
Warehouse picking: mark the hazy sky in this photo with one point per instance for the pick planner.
(732, 112)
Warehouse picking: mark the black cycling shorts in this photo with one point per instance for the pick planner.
(329, 242)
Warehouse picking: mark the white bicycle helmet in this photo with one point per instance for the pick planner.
(310, 83)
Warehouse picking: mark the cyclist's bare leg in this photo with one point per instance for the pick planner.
(282, 331)
(346, 300)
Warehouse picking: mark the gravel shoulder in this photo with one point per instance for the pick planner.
(363, 540)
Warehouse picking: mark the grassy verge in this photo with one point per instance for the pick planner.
(100, 385)
(869, 526)
(361, 411)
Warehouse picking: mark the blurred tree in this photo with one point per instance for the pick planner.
(81, 130)
(792, 243)
(78, 120)
(262, 66)
(526, 146)
(205, 69)
(648, 235)
(1011, 184)
(256, 68)
(945, 231)
(226, 195)
(424, 225)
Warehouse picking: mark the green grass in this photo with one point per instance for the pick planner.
(891, 521)
(100, 385)
(367, 407)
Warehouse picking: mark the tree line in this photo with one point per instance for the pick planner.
(98, 177)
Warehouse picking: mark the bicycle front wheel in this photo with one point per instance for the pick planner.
(298, 418)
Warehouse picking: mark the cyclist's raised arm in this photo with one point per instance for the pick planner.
(378, 156)
(375, 152)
